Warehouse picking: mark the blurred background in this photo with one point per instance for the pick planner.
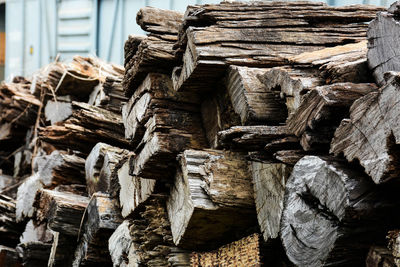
(34, 32)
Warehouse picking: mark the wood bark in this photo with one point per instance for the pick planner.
(371, 134)
(321, 111)
(382, 33)
(342, 209)
(101, 165)
(379, 256)
(100, 220)
(210, 185)
(269, 180)
(61, 210)
(62, 250)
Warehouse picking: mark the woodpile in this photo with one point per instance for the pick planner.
(237, 134)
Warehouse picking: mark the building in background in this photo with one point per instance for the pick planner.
(39, 30)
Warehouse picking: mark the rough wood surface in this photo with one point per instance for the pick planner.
(382, 43)
(321, 111)
(342, 63)
(61, 210)
(26, 197)
(379, 257)
(35, 254)
(371, 134)
(159, 21)
(100, 166)
(100, 220)
(9, 257)
(10, 230)
(119, 244)
(342, 209)
(62, 250)
(210, 185)
(251, 99)
(269, 180)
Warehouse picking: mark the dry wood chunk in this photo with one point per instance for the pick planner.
(372, 133)
(119, 245)
(159, 21)
(342, 209)
(212, 199)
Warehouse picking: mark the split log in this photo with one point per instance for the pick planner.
(112, 96)
(151, 235)
(321, 111)
(382, 33)
(100, 220)
(159, 21)
(252, 138)
(342, 209)
(209, 49)
(10, 230)
(60, 168)
(269, 180)
(342, 63)
(61, 210)
(250, 98)
(210, 185)
(218, 114)
(26, 197)
(87, 126)
(62, 250)
(167, 133)
(119, 245)
(291, 83)
(101, 165)
(379, 257)
(35, 254)
(9, 257)
(130, 48)
(371, 134)
(133, 190)
(154, 93)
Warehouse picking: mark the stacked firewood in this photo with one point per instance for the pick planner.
(239, 134)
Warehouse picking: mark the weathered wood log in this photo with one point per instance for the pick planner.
(209, 49)
(59, 167)
(10, 230)
(62, 250)
(168, 132)
(159, 21)
(133, 190)
(321, 111)
(379, 256)
(9, 257)
(61, 210)
(210, 185)
(252, 138)
(269, 180)
(341, 208)
(382, 33)
(151, 235)
(218, 114)
(250, 98)
(120, 243)
(342, 63)
(100, 220)
(154, 93)
(372, 132)
(111, 96)
(35, 254)
(26, 197)
(87, 126)
(291, 83)
(57, 111)
(101, 165)
(289, 157)
(130, 48)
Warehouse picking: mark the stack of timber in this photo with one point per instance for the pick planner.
(238, 134)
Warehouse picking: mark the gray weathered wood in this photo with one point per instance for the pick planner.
(333, 213)
(210, 185)
(119, 244)
(371, 133)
